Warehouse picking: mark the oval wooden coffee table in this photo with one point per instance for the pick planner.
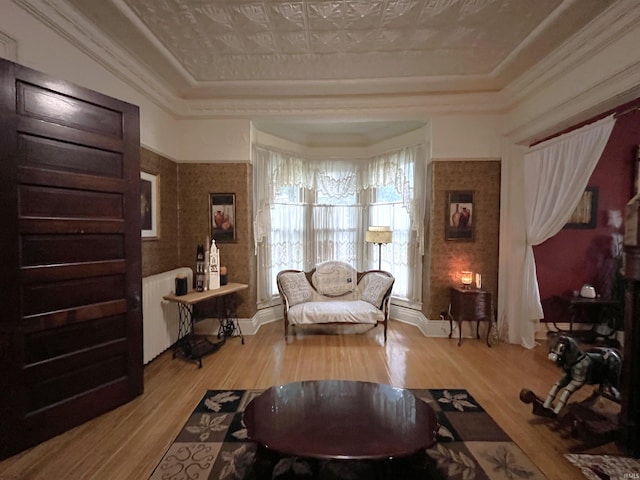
(341, 419)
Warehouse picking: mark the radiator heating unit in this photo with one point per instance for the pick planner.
(159, 317)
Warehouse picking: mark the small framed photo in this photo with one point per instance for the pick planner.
(222, 217)
(459, 216)
(149, 205)
(585, 214)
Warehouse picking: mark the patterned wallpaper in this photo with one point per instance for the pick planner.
(448, 258)
(184, 223)
(161, 254)
(196, 181)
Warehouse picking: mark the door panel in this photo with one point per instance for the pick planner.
(71, 333)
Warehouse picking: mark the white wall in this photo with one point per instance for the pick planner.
(211, 140)
(466, 137)
(419, 136)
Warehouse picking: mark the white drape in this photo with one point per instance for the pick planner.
(331, 224)
(556, 173)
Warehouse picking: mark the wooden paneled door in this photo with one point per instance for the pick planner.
(70, 274)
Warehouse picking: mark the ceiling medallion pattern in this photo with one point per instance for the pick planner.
(339, 39)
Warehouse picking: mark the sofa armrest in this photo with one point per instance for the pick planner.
(377, 293)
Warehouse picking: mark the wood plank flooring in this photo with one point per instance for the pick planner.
(128, 442)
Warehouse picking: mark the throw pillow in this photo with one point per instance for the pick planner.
(334, 278)
(376, 287)
(296, 287)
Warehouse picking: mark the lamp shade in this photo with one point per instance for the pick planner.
(379, 235)
(466, 278)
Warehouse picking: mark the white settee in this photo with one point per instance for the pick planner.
(335, 293)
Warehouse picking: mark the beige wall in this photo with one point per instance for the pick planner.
(161, 254)
(196, 181)
(449, 258)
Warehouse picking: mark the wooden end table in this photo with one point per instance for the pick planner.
(469, 304)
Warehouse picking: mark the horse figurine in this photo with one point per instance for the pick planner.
(598, 366)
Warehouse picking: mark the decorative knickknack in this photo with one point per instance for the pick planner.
(214, 266)
(200, 268)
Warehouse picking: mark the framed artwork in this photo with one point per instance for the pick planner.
(585, 214)
(459, 224)
(149, 205)
(222, 217)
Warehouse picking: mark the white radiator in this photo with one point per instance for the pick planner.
(159, 317)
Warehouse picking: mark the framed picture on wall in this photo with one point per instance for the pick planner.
(459, 216)
(149, 205)
(222, 217)
(585, 214)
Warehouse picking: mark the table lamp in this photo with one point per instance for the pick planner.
(379, 235)
(466, 278)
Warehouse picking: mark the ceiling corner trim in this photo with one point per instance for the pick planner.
(411, 106)
(83, 36)
(133, 18)
(603, 31)
(8, 47)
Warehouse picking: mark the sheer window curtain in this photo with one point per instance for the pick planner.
(329, 202)
(556, 174)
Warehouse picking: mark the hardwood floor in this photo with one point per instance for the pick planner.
(128, 442)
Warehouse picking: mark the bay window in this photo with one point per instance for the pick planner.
(309, 211)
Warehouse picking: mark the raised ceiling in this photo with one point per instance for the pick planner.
(208, 49)
(315, 51)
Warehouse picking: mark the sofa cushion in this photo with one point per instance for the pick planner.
(296, 287)
(334, 278)
(334, 311)
(377, 286)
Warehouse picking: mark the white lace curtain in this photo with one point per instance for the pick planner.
(556, 173)
(338, 228)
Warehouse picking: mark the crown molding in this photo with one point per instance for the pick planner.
(385, 106)
(64, 21)
(8, 48)
(435, 97)
(603, 96)
(601, 32)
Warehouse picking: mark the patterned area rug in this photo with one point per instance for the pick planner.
(213, 445)
(606, 467)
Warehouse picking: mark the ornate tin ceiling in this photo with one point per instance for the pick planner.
(226, 48)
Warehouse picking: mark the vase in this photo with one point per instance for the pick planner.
(218, 219)
(455, 218)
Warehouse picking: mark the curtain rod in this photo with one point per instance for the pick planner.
(624, 112)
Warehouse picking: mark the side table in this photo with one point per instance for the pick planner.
(194, 347)
(470, 304)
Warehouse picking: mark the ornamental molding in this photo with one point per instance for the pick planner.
(8, 47)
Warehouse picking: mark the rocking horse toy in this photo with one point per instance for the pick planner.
(598, 366)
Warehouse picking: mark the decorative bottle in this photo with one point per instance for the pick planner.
(200, 268)
(214, 266)
(206, 265)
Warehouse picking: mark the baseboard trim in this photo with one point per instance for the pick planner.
(429, 328)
